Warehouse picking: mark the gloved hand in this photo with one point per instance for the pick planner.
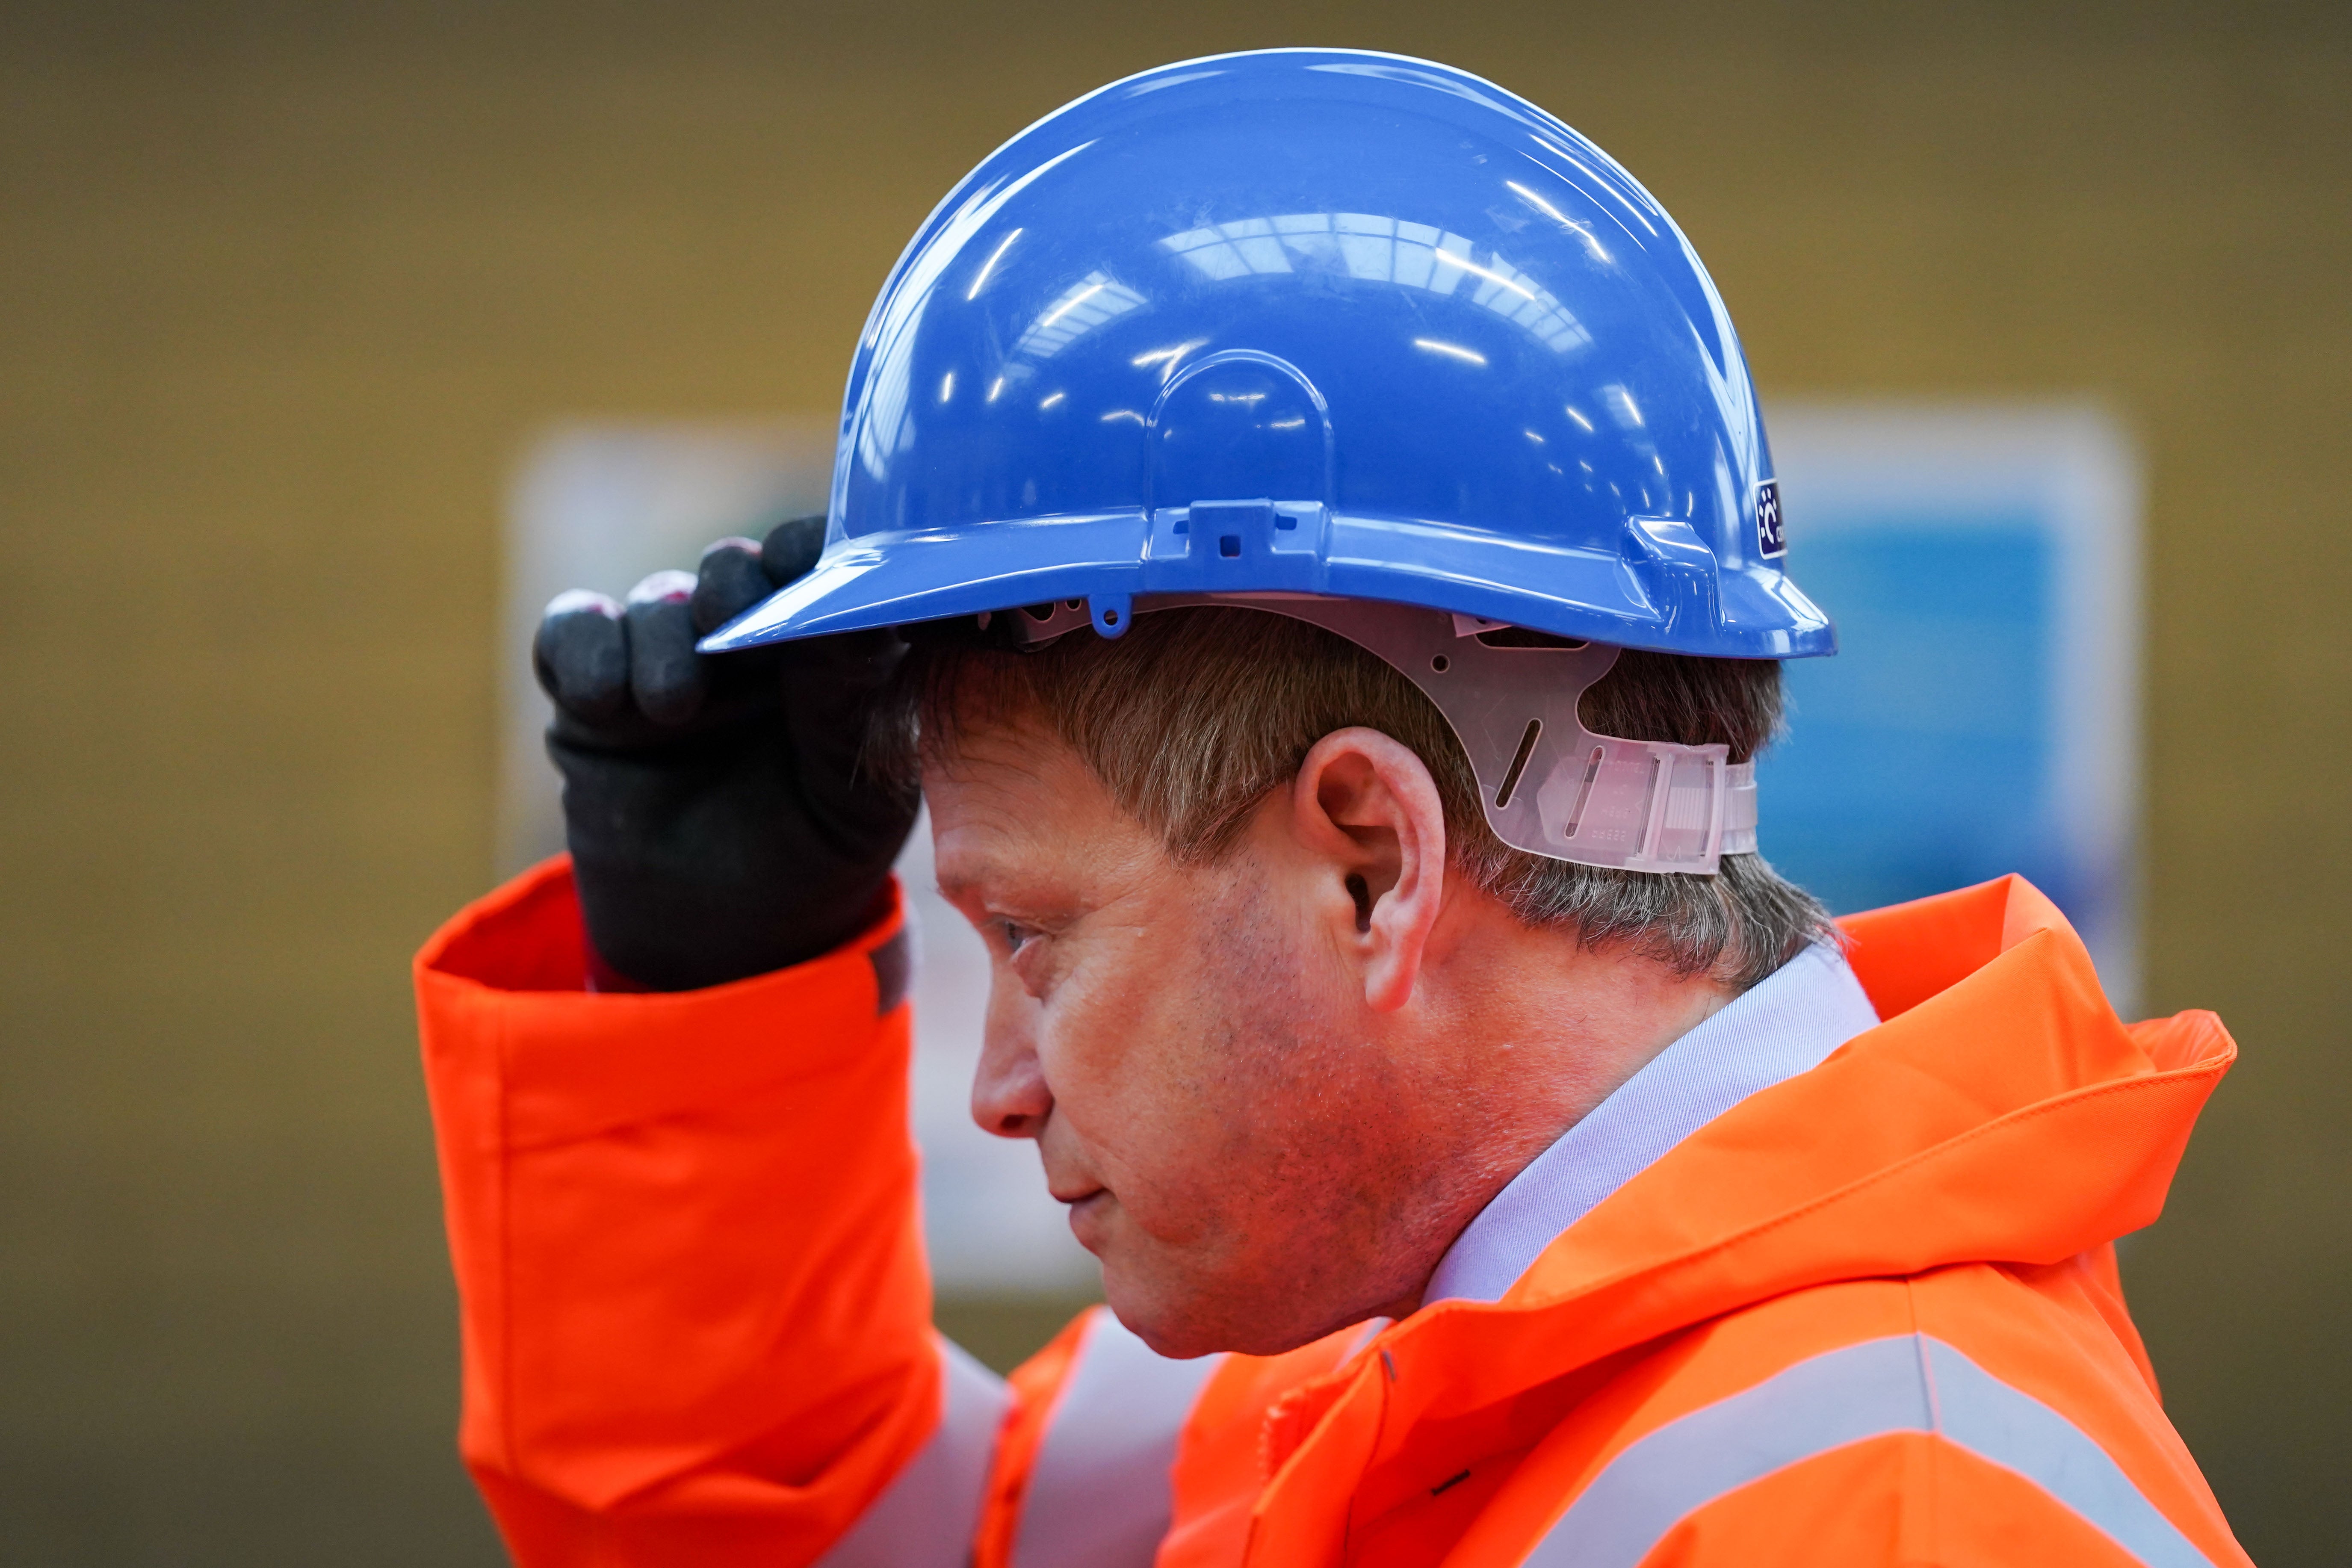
(719, 823)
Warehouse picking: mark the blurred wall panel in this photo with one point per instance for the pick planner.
(284, 292)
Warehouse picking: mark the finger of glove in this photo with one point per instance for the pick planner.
(728, 582)
(581, 654)
(791, 548)
(665, 674)
(830, 685)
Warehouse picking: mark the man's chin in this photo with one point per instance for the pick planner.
(1156, 1310)
(1181, 1312)
(1166, 1326)
(1180, 1318)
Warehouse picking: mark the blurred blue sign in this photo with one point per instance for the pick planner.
(1981, 717)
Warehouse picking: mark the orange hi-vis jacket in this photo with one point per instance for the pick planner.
(1869, 1315)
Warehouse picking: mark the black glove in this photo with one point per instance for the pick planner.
(719, 822)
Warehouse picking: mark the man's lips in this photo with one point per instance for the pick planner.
(1089, 1216)
(1066, 1184)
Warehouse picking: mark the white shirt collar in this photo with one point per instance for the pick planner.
(1787, 1024)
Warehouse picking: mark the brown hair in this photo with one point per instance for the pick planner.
(1195, 714)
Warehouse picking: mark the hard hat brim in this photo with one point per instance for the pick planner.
(1662, 590)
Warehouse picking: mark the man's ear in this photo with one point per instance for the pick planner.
(1365, 807)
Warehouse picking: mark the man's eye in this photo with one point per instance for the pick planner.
(1016, 935)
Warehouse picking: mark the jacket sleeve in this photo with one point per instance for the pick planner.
(694, 1313)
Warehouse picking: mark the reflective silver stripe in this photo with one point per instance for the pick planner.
(2017, 1432)
(925, 1518)
(1100, 1495)
(1908, 1384)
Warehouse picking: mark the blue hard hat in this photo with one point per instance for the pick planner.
(1305, 321)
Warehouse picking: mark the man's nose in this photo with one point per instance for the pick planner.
(1008, 1096)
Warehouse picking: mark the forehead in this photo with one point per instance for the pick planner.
(1014, 799)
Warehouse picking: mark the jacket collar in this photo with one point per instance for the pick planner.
(2000, 1114)
(1785, 1025)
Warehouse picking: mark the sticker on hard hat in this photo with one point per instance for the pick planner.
(1770, 540)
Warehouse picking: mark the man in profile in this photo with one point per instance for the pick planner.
(1304, 522)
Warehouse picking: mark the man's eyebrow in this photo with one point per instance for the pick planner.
(987, 886)
(965, 876)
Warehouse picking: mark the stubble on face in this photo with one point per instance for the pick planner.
(1313, 1186)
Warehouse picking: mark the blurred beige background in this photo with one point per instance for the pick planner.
(285, 292)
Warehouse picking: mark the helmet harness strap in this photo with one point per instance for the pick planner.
(1548, 785)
